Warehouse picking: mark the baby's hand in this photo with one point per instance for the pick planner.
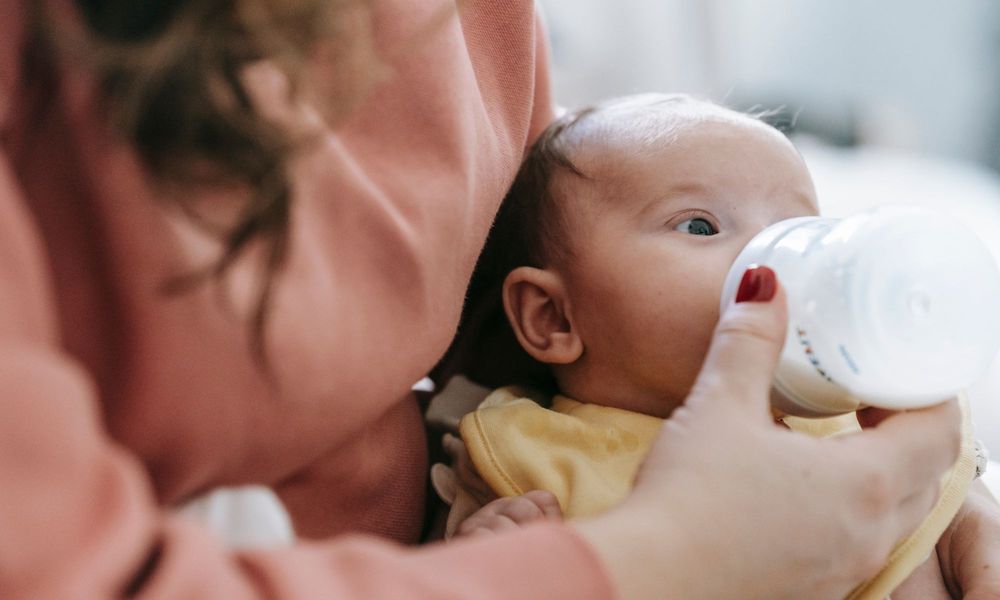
(509, 513)
(475, 508)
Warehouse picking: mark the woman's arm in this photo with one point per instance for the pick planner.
(969, 550)
(79, 518)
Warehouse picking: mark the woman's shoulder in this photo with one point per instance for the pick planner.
(12, 39)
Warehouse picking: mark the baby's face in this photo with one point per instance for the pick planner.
(652, 239)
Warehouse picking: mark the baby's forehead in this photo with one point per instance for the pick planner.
(619, 131)
(628, 147)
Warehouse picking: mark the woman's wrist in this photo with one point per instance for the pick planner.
(641, 559)
(969, 550)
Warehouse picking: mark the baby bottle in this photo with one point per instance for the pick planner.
(896, 307)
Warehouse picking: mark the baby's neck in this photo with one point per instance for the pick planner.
(615, 393)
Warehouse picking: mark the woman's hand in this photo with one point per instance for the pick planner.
(729, 505)
(969, 550)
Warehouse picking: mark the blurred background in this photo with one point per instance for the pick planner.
(918, 75)
(889, 101)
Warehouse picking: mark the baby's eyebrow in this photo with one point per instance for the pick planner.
(685, 189)
(679, 190)
(809, 201)
(805, 200)
(691, 188)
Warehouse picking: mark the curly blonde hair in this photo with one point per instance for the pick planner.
(173, 85)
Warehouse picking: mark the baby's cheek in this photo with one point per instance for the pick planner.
(697, 339)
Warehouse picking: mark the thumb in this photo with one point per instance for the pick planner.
(748, 341)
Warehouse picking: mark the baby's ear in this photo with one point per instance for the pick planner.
(539, 311)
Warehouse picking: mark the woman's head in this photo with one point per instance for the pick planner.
(630, 215)
(174, 81)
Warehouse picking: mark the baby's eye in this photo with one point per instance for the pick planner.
(697, 226)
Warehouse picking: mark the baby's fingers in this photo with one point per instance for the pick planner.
(533, 505)
(512, 512)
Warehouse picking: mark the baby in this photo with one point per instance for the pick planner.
(612, 246)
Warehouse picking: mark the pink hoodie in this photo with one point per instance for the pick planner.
(118, 401)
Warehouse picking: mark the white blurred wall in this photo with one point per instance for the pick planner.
(603, 48)
(921, 75)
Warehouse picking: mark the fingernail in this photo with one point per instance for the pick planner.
(758, 285)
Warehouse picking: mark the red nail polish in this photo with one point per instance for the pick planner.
(759, 284)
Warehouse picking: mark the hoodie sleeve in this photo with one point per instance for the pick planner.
(79, 519)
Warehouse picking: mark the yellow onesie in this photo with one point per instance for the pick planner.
(588, 456)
